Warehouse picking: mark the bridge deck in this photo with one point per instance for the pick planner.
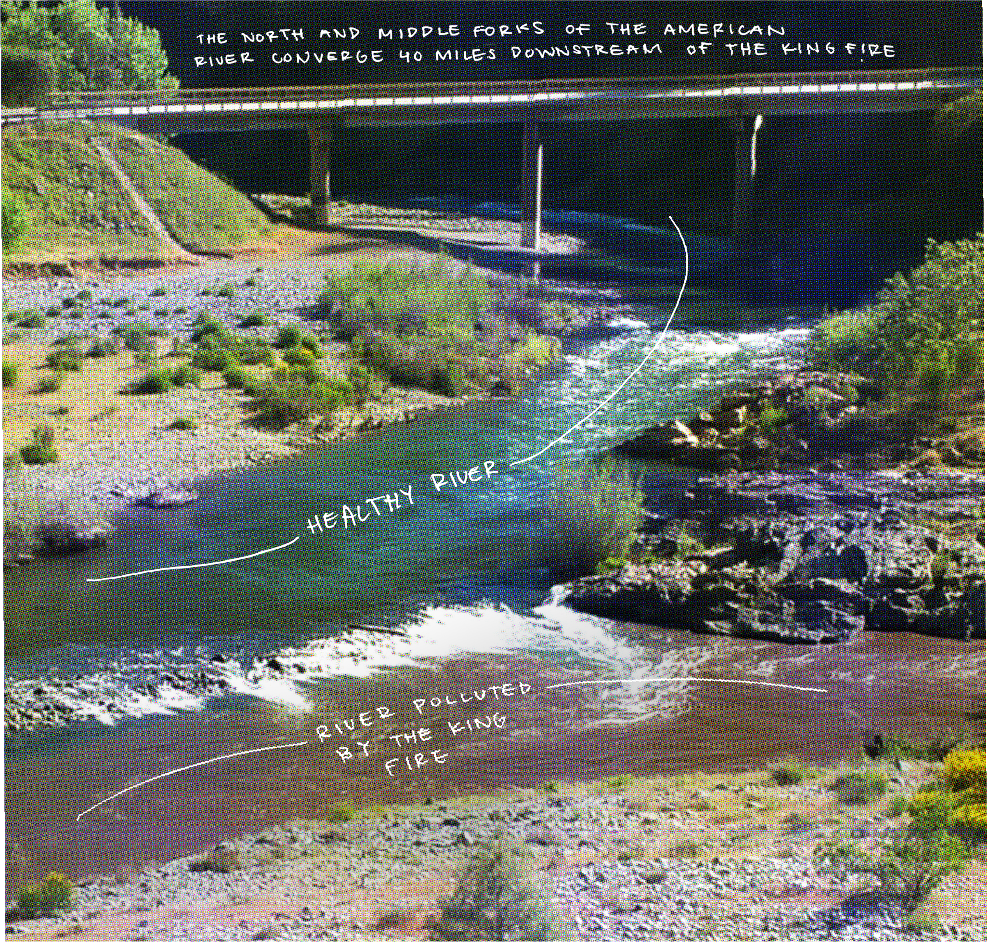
(546, 100)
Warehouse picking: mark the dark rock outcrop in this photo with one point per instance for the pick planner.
(811, 558)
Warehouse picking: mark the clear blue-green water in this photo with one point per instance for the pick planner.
(473, 543)
(469, 572)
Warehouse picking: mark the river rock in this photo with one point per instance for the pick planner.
(776, 422)
(65, 536)
(171, 496)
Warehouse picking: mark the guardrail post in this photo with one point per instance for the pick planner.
(531, 182)
(320, 162)
(743, 179)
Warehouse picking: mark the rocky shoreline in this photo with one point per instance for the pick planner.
(849, 537)
(692, 857)
(809, 557)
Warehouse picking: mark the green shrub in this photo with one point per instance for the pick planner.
(847, 341)
(32, 322)
(450, 380)
(186, 375)
(15, 221)
(30, 76)
(311, 344)
(860, 785)
(912, 863)
(237, 377)
(43, 898)
(899, 804)
(136, 338)
(154, 382)
(288, 337)
(40, 451)
(361, 381)
(65, 358)
(51, 383)
(931, 807)
(923, 336)
(256, 320)
(497, 897)
(772, 418)
(215, 359)
(183, 423)
(11, 371)
(251, 352)
(104, 347)
(300, 356)
(206, 326)
(965, 768)
(341, 813)
(310, 374)
(599, 511)
(290, 396)
(787, 773)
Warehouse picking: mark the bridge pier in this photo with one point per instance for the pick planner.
(531, 183)
(320, 138)
(743, 180)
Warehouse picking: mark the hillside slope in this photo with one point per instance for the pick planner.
(77, 210)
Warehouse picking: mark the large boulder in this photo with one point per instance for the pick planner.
(782, 421)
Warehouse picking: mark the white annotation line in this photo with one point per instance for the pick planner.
(215, 562)
(709, 680)
(631, 375)
(185, 768)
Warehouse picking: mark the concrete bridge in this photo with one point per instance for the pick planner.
(326, 111)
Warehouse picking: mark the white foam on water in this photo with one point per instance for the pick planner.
(629, 323)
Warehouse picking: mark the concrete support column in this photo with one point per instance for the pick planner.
(320, 161)
(743, 180)
(531, 182)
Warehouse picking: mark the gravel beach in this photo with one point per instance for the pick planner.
(693, 857)
(108, 466)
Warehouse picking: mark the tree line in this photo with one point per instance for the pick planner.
(76, 46)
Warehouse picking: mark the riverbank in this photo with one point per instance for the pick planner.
(115, 448)
(750, 856)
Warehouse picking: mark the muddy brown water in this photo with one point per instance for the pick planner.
(901, 684)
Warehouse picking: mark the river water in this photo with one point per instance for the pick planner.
(467, 572)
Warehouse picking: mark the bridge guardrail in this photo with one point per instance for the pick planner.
(945, 77)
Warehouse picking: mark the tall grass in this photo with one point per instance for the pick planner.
(393, 290)
(601, 510)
